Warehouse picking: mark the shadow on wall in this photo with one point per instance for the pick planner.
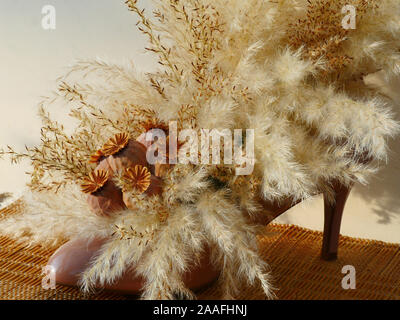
(383, 192)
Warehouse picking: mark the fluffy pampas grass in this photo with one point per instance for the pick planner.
(286, 69)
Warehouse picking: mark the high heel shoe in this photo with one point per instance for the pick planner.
(74, 257)
(333, 211)
(333, 217)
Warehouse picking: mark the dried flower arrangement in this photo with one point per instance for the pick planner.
(284, 68)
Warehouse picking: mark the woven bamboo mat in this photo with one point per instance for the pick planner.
(292, 252)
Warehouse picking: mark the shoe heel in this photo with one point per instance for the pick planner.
(333, 211)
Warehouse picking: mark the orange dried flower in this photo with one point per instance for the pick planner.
(115, 144)
(95, 158)
(96, 180)
(138, 177)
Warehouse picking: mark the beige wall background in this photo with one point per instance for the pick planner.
(32, 58)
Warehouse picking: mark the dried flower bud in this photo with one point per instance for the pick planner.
(115, 144)
(137, 178)
(107, 199)
(97, 157)
(128, 157)
(133, 154)
(155, 188)
(95, 181)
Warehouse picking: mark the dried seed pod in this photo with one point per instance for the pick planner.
(104, 198)
(96, 180)
(137, 178)
(121, 152)
(134, 153)
(112, 146)
(97, 157)
(115, 144)
(155, 188)
(120, 155)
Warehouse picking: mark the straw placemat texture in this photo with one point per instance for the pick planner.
(292, 252)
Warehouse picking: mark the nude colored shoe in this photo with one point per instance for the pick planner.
(71, 259)
(333, 211)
